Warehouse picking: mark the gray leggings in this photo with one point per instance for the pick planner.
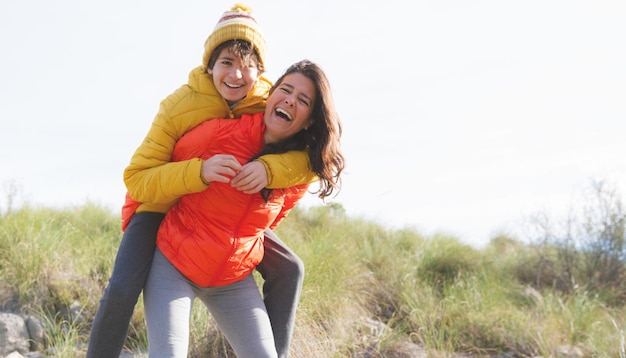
(237, 308)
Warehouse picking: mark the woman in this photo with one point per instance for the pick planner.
(210, 242)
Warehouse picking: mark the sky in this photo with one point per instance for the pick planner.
(460, 117)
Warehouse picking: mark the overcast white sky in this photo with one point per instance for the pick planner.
(459, 117)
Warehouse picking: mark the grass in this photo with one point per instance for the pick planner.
(368, 291)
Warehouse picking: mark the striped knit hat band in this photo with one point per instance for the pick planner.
(236, 24)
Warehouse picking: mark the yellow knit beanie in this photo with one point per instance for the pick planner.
(236, 24)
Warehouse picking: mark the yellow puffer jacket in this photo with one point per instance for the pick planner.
(152, 179)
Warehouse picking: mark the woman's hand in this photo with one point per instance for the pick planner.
(220, 168)
(251, 178)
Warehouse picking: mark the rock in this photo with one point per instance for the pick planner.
(36, 332)
(13, 334)
(568, 351)
(14, 355)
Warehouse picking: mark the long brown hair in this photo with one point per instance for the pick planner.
(322, 138)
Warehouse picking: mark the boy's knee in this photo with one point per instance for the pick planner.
(293, 263)
(295, 268)
(289, 268)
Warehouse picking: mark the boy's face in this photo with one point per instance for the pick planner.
(231, 79)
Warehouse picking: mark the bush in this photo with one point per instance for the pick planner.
(586, 251)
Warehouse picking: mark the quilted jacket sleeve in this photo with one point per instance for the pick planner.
(150, 176)
(288, 169)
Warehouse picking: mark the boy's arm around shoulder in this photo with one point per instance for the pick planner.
(288, 169)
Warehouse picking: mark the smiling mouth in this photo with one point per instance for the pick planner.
(283, 114)
(232, 85)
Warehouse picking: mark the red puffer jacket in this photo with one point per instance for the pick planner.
(215, 237)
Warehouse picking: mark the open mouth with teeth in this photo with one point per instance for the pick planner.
(283, 114)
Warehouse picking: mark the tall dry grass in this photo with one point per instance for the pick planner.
(369, 291)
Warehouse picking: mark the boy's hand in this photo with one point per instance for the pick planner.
(251, 178)
(220, 168)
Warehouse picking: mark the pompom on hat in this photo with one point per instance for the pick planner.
(236, 24)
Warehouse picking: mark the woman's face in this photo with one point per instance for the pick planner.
(289, 107)
(232, 80)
